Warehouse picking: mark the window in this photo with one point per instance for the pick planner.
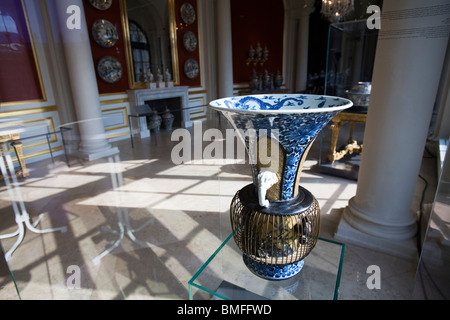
(141, 52)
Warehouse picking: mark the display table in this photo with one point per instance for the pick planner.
(8, 133)
(225, 276)
(352, 116)
(22, 218)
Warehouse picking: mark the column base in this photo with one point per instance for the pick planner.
(406, 248)
(97, 154)
(144, 134)
(402, 227)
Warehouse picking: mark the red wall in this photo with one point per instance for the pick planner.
(19, 79)
(254, 21)
(112, 14)
(183, 54)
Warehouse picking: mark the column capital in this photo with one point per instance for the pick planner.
(298, 9)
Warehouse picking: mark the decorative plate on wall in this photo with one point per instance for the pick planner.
(109, 69)
(190, 41)
(187, 13)
(104, 33)
(191, 68)
(101, 4)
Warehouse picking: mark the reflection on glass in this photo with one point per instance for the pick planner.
(8, 26)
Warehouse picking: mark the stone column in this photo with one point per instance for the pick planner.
(83, 82)
(409, 60)
(224, 50)
(301, 75)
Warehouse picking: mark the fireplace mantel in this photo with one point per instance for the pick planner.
(141, 96)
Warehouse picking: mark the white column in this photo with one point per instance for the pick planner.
(301, 75)
(408, 64)
(224, 50)
(83, 82)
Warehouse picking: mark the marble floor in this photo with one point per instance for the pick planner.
(173, 218)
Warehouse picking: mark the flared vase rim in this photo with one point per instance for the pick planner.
(346, 104)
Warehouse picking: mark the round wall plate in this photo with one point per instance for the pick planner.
(190, 41)
(191, 68)
(104, 33)
(109, 69)
(101, 4)
(187, 13)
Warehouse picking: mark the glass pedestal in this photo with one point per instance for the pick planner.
(224, 276)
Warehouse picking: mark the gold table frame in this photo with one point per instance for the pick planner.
(10, 134)
(352, 145)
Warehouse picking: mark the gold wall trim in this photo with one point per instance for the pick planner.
(198, 118)
(34, 143)
(127, 43)
(173, 42)
(38, 153)
(112, 94)
(118, 108)
(114, 101)
(197, 92)
(42, 152)
(117, 135)
(199, 47)
(202, 101)
(122, 110)
(24, 112)
(17, 103)
(197, 112)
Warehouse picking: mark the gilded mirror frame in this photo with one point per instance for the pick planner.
(128, 54)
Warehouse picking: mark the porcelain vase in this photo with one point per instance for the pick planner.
(168, 119)
(275, 221)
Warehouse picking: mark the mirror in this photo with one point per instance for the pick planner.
(149, 31)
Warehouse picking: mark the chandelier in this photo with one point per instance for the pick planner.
(336, 10)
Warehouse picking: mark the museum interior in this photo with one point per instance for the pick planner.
(119, 176)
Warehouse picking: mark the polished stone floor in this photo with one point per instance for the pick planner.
(173, 217)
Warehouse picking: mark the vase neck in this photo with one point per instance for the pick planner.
(271, 156)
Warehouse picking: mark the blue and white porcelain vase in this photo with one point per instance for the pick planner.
(275, 221)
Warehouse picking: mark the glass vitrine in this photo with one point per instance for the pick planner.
(350, 60)
(224, 276)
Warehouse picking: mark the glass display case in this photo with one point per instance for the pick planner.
(224, 276)
(350, 60)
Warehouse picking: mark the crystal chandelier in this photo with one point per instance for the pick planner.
(336, 10)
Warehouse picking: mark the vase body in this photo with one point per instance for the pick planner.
(168, 122)
(155, 121)
(275, 221)
(168, 119)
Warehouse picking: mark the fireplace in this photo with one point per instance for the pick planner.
(174, 106)
(175, 98)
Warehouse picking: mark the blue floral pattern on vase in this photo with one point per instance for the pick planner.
(297, 118)
(273, 271)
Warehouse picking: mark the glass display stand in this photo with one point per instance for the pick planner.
(350, 60)
(224, 276)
